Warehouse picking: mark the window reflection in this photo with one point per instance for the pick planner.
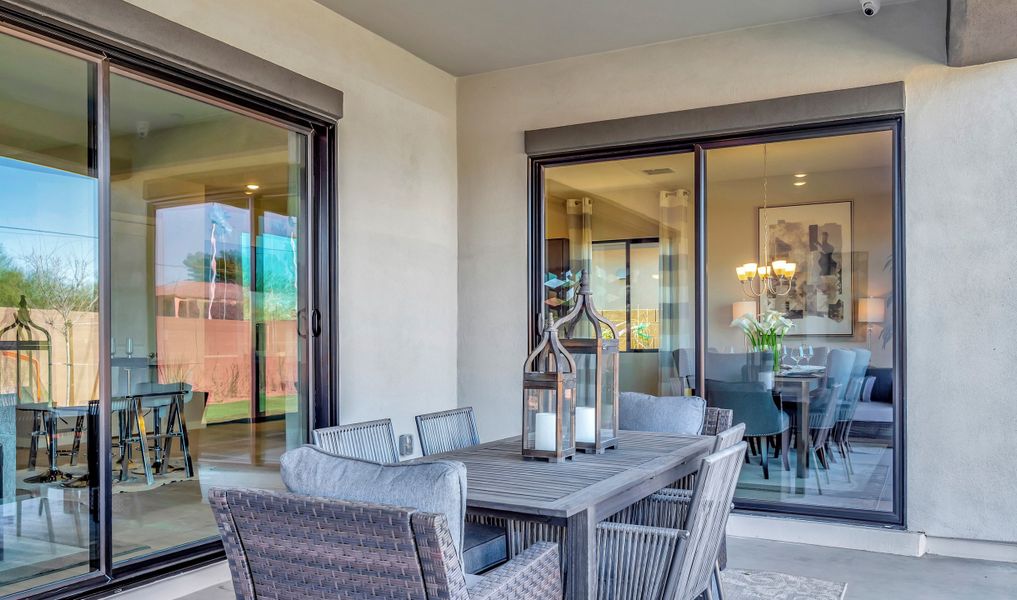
(818, 405)
(206, 278)
(49, 327)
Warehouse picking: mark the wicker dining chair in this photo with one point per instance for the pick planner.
(369, 440)
(486, 536)
(289, 547)
(447, 430)
(669, 507)
(643, 561)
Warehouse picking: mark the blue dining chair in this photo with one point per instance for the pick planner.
(755, 408)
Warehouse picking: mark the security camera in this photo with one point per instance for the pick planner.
(870, 7)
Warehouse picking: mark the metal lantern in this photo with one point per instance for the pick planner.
(549, 400)
(596, 361)
(30, 343)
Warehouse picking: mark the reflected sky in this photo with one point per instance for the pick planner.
(46, 211)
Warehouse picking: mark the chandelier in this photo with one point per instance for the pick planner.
(775, 278)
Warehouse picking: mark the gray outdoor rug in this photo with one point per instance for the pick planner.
(766, 585)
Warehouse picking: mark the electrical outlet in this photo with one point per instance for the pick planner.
(405, 444)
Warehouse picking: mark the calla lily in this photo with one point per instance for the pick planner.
(765, 332)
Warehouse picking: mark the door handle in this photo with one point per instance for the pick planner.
(315, 322)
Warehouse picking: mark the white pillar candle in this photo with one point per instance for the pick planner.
(545, 432)
(586, 424)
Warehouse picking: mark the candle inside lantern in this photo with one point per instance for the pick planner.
(586, 424)
(545, 432)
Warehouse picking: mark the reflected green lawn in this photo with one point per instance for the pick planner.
(241, 409)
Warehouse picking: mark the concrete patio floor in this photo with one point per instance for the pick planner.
(870, 576)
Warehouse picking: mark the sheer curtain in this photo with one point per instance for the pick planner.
(677, 319)
(579, 215)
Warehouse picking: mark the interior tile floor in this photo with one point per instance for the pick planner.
(44, 534)
(869, 576)
(869, 485)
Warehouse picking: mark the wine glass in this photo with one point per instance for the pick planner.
(789, 356)
(810, 353)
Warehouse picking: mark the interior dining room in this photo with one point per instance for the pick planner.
(823, 204)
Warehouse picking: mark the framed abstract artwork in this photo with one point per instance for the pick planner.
(818, 238)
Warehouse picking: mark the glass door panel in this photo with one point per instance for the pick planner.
(818, 404)
(207, 276)
(49, 326)
(629, 226)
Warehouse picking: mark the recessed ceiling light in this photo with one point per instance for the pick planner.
(801, 175)
(253, 186)
(800, 183)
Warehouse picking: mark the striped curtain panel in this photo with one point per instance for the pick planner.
(677, 324)
(579, 214)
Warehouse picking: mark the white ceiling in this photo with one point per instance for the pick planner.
(465, 37)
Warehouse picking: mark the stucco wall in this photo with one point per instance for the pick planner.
(397, 196)
(961, 212)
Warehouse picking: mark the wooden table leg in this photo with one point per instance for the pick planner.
(802, 440)
(581, 561)
(802, 435)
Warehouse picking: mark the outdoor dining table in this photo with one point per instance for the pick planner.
(575, 494)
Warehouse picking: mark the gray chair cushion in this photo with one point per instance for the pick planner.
(434, 487)
(484, 546)
(668, 414)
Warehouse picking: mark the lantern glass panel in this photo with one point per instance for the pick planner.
(609, 390)
(586, 397)
(541, 419)
(567, 415)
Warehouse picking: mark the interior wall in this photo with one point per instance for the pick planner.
(397, 195)
(733, 225)
(960, 217)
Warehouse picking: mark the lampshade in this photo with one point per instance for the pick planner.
(742, 308)
(871, 310)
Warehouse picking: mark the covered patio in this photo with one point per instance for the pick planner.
(584, 299)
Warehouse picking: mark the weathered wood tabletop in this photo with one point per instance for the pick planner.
(576, 494)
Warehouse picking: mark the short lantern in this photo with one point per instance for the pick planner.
(596, 359)
(549, 400)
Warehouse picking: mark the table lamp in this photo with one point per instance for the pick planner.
(871, 311)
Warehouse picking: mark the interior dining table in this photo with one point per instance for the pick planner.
(796, 389)
(572, 496)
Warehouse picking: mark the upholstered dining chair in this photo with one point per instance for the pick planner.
(839, 366)
(822, 420)
(644, 560)
(840, 436)
(755, 407)
(292, 547)
(447, 430)
(368, 440)
(665, 414)
(313, 471)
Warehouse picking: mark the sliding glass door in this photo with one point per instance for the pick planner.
(818, 402)
(160, 318)
(49, 320)
(803, 344)
(208, 276)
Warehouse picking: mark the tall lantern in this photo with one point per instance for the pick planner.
(549, 400)
(596, 361)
